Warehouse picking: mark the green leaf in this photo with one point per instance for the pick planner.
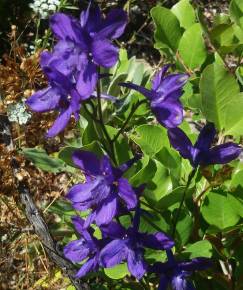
(222, 35)
(145, 171)
(150, 138)
(172, 161)
(236, 199)
(117, 272)
(234, 116)
(218, 89)
(114, 89)
(70, 287)
(200, 249)
(236, 11)
(136, 72)
(218, 210)
(160, 184)
(92, 132)
(238, 32)
(62, 209)
(168, 31)
(43, 161)
(122, 64)
(121, 146)
(172, 198)
(192, 48)
(184, 11)
(184, 227)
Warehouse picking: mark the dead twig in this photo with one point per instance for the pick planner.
(33, 214)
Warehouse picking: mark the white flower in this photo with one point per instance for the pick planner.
(44, 7)
(52, 7)
(17, 113)
(37, 3)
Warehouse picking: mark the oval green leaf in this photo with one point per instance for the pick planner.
(185, 12)
(218, 210)
(168, 31)
(192, 48)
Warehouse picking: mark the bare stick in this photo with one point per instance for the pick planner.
(33, 214)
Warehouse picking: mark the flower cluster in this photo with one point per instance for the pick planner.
(164, 101)
(108, 196)
(73, 71)
(17, 113)
(72, 68)
(45, 7)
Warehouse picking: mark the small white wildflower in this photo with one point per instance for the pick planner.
(4, 238)
(17, 113)
(52, 7)
(37, 3)
(56, 2)
(44, 6)
(32, 47)
(44, 14)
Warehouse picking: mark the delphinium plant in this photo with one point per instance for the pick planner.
(153, 210)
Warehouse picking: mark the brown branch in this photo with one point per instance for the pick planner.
(33, 214)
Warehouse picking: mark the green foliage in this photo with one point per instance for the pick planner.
(117, 272)
(43, 161)
(218, 210)
(211, 206)
(219, 90)
(168, 32)
(150, 138)
(200, 249)
(185, 12)
(236, 12)
(192, 48)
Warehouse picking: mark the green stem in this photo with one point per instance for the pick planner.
(96, 121)
(199, 197)
(190, 177)
(37, 32)
(133, 110)
(102, 124)
(149, 206)
(196, 203)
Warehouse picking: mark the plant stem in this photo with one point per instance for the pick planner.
(37, 32)
(133, 110)
(197, 204)
(92, 116)
(198, 198)
(190, 177)
(101, 121)
(149, 206)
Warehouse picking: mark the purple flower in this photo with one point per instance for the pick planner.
(128, 245)
(104, 190)
(175, 273)
(87, 247)
(200, 153)
(164, 96)
(86, 44)
(60, 95)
